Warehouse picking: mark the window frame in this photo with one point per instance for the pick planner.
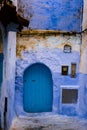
(73, 70)
(69, 96)
(63, 71)
(67, 48)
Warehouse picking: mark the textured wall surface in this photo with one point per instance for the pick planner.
(65, 15)
(83, 62)
(37, 43)
(49, 51)
(52, 14)
(8, 85)
(84, 24)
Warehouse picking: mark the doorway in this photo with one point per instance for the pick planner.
(38, 89)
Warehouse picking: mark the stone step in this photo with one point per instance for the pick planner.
(49, 123)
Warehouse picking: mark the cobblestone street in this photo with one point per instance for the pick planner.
(49, 123)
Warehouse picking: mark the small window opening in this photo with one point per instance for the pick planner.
(64, 70)
(73, 70)
(67, 48)
(69, 96)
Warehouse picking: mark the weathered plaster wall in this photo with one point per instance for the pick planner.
(53, 42)
(83, 76)
(48, 49)
(84, 23)
(83, 62)
(8, 85)
(52, 14)
(83, 66)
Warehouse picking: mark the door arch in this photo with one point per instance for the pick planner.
(38, 89)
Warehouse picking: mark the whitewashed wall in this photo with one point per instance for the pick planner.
(8, 85)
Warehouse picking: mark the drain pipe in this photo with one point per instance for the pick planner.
(5, 113)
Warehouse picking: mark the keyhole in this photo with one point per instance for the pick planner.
(25, 80)
(33, 80)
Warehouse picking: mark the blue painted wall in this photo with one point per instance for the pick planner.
(65, 15)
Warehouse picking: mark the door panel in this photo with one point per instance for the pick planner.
(38, 89)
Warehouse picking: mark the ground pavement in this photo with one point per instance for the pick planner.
(53, 122)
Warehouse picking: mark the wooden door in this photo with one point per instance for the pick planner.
(38, 89)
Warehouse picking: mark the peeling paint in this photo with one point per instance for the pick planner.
(47, 48)
(20, 48)
(35, 42)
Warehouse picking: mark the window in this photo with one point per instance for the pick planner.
(73, 70)
(69, 96)
(67, 48)
(64, 70)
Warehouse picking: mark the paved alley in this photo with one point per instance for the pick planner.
(54, 122)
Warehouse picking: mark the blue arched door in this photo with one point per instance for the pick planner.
(38, 89)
